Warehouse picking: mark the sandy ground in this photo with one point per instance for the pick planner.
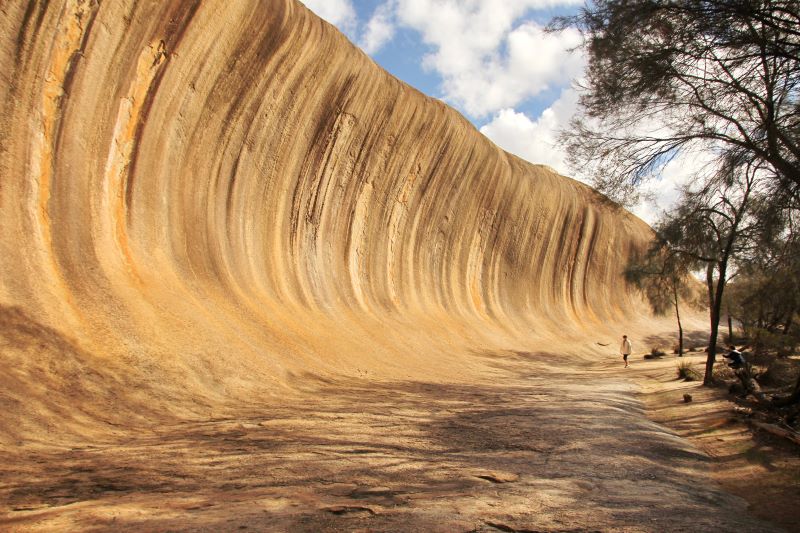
(761, 468)
(568, 448)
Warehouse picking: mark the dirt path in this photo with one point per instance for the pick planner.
(564, 449)
(759, 467)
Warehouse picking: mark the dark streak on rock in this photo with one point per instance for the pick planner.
(348, 509)
(177, 23)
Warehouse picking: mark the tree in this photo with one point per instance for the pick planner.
(663, 277)
(669, 77)
(712, 227)
(766, 295)
(765, 299)
(674, 78)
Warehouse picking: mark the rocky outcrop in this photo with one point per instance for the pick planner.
(201, 201)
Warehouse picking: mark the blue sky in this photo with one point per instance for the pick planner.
(491, 60)
(403, 54)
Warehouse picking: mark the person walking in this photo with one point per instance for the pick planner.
(625, 349)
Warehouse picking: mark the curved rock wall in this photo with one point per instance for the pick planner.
(206, 199)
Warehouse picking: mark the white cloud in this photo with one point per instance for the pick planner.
(379, 29)
(534, 140)
(487, 55)
(660, 194)
(486, 62)
(340, 13)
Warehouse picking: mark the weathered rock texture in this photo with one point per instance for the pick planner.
(206, 201)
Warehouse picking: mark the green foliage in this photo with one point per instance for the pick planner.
(781, 372)
(677, 76)
(665, 280)
(663, 277)
(764, 341)
(716, 79)
(766, 295)
(713, 227)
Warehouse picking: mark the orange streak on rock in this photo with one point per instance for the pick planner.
(122, 147)
(66, 44)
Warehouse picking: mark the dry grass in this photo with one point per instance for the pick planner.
(687, 372)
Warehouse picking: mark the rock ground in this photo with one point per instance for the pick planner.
(536, 447)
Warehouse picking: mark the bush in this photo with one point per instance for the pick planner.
(687, 372)
(758, 358)
(767, 341)
(655, 353)
(780, 373)
(724, 373)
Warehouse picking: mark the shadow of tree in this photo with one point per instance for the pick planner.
(691, 339)
(531, 449)
(46, 374)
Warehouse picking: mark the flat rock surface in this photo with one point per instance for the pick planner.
(572, 447)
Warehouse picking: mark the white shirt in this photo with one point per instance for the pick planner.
(626, 347)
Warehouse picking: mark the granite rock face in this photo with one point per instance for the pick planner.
(204, 201)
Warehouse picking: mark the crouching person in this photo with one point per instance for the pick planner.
(736, 358)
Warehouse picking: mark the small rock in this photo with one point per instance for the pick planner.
(687, 398)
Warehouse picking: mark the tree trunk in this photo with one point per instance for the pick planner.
(712, 339)
(730, 329)
(708, 378)
(678, 316)
(776, 430)
(716, 309)
(749, 383)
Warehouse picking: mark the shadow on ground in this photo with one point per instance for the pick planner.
(554, 450)
(692, 341)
